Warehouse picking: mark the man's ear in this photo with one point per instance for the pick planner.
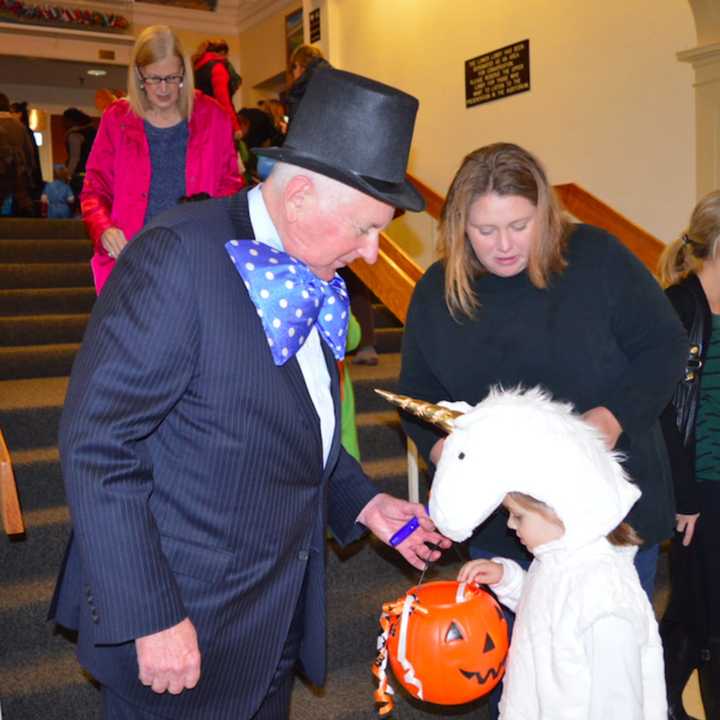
(299, 197)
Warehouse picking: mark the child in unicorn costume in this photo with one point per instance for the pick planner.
(585, 644)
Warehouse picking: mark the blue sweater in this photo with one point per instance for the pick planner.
(168, 147)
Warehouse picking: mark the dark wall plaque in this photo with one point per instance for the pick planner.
(314, 18)
(497, 74)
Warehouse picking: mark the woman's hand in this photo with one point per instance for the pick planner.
(483, 572)
(686, 524)
(114, 241)
(604, 421)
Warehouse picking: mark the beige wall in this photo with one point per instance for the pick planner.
(262, 53)
(610, 107)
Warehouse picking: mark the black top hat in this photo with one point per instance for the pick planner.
(357, 131)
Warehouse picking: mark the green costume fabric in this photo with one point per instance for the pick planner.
(349, 436)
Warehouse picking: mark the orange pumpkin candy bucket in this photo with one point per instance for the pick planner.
(446, 642)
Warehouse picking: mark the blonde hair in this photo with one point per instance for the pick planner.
(305, 55)
(699, 242)
(154, 44)
(623, 534)
(505, 169)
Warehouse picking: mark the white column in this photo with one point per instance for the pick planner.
(706, 63)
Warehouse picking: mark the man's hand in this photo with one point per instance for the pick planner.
(604, 421)
(385, 515)
(114, 241)
(169, 660)
(685, 524)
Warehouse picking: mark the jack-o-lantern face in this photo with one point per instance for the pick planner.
(457, 650)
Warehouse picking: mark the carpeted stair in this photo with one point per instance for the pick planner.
(46, 295)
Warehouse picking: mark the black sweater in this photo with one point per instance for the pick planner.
(602, 333)
(684, 297)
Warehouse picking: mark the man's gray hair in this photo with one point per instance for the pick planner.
(331, 192)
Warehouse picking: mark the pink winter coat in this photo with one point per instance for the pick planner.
(117, 179)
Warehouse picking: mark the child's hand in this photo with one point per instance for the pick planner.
(483, 572)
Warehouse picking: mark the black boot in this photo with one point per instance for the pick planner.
(709, 673)
(681, 658)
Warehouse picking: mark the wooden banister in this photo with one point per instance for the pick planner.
(392, 278)
(9, 503)
(433, 201)
(587, 208)
(394, 275)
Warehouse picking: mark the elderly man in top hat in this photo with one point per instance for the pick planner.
(200, 439)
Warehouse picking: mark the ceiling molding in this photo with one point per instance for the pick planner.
(185, 18)
(700, 55)
(237, 15)
(232, 16)
(69, 32)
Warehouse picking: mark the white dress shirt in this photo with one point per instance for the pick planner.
(310, 356)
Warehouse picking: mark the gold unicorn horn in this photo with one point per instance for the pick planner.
(435, 414)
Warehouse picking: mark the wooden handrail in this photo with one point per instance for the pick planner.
(394, 275)
(9, 503)
(587, 208)
(433, 201)
(392, 278)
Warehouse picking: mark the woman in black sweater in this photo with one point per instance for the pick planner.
(690, 628)
(523, 297)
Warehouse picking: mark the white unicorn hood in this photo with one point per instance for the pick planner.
(522, 441)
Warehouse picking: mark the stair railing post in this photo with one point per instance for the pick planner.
(9, 503)
(413, 472)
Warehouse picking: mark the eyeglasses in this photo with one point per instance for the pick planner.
(158, 80)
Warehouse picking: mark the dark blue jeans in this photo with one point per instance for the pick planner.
(645, 564)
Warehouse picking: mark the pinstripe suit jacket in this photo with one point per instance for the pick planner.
(193, 470)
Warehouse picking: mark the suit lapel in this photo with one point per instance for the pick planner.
(296, 382)
(335, 381)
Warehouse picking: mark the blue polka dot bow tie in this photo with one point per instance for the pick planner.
(290, 299)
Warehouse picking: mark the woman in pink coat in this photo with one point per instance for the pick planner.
(164, 142)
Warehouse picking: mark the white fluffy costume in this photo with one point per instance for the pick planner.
(585, 644)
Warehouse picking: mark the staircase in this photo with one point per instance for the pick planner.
(46, 295)
(45, 299)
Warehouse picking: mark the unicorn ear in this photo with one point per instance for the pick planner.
(435, 414)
